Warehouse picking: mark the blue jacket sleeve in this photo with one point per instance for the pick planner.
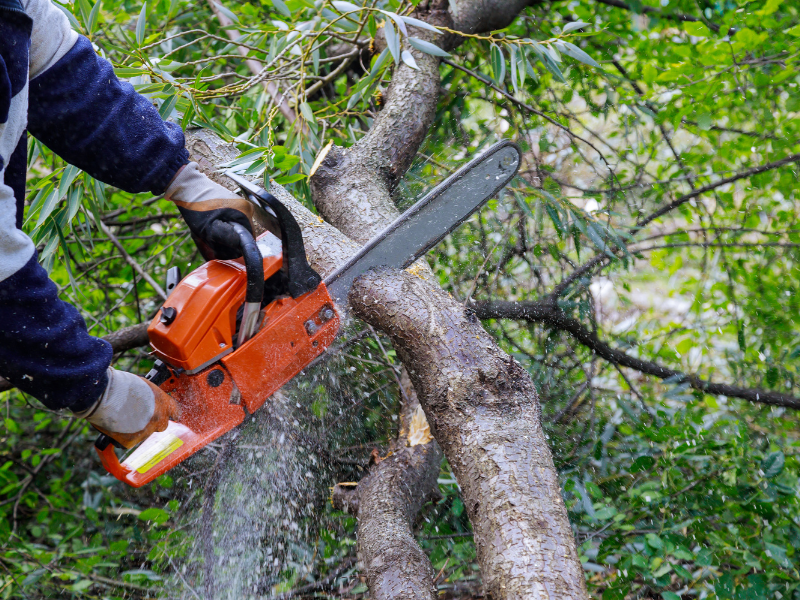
(44, 347)
(80, 110)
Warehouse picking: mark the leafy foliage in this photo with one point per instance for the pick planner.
(622, 114)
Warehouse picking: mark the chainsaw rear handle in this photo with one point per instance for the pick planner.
(300, 277)
(253, 262)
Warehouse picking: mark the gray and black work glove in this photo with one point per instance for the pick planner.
(130, 409)
(210, 210)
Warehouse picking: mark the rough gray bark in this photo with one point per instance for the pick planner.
(534, 554)
(484, 411)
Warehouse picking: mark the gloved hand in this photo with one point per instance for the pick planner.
(131, 409)
(209, 210)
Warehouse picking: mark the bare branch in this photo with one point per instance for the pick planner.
(552, 316)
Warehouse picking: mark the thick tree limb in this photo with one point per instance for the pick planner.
(484, 412)
(352, 189)
(387, 502)
(552, 316)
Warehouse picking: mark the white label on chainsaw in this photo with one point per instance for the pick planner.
(156, 447)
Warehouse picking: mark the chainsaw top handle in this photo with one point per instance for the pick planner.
(253, 263)
(300, 277)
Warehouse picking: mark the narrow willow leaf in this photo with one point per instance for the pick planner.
(553, 53)
(315, 60)
(578, 54)
(141, 23)
(530, 70)
(521, 67)
(281, 7)
(379, 62)
(392, 40)
(427, 47)
(353, 100)
(551, 66)
(67, 177)
(83, 6)
(398, 21)
(344, 7)
(408, 58)
(74, 203)
(535, 47)
(308, 114)
(498, 65)
(93, 16)
(573, 26)
(49, 203)
(227, 12)
(168, 106)
(512, 55)
(421, 24)
(68, 13)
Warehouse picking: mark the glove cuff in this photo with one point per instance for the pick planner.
(191, 186)
(126, 406)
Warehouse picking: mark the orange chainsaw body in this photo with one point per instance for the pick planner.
(215, 384)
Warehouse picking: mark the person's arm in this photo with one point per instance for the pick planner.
(80, 110)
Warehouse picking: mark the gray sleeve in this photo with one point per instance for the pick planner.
(51, 38)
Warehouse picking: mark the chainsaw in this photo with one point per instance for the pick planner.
(232, 332)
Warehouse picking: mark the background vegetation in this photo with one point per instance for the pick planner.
(672, 493)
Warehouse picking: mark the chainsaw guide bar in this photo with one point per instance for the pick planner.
(233, 332)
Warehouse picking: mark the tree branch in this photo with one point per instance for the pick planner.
(484, 411)
(552, 316)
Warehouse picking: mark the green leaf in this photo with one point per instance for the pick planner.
(157, 515)
(344, 7)
(281, 7)
(573, 26)
(83, 584)
(93, 16)
(141, 23)
(127, 72)
(512, 54)
(498, 65)
(408, 58)
(421, 24)
(307, 113)
(654, 541)
(778, 554)
(287, 179)
(227, 12)
(315, 59)
(427, 47)
(33, 577)
(379, 62)
(670, 596)
(167, 106)
(696, 29)
(576, 53)
(773, 463)
(398, 21)
(392, 41)
(643, 463)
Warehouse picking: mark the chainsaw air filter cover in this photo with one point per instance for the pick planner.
(197, 324)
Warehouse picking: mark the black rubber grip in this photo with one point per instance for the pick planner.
(253, 262)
